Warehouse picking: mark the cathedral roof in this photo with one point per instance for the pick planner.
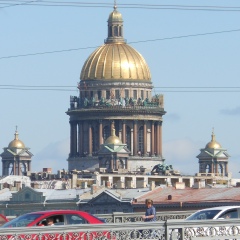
(16, 143)
(115, 60)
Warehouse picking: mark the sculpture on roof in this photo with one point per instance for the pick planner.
(164, 169)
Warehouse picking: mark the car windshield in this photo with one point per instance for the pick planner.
(203, 215)
(21, 221)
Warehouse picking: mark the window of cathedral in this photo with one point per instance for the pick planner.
(117, 94)
(99, 93)
(142, 94)
(108, 94)
(126, 93)
(116, 31)
(135, 94)
(128, 138)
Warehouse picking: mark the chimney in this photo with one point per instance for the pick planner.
(152, 185)
(94, 188)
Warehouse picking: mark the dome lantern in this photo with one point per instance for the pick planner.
(115, 27)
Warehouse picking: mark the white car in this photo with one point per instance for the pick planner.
(216, 213)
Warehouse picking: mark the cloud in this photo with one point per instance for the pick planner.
(181, 153)
(234, 111)
(52, 156)
(172, 117)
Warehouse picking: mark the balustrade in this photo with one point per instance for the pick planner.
(163, 230)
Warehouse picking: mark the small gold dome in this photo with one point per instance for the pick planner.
(213, 143)
(115, 61)
(113, 139)
(16, 143)
(115, 16)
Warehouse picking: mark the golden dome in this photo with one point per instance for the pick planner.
(113, 139)
(16, 143)
(213, 143)
(115, 60)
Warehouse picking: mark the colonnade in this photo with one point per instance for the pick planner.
(143, 137)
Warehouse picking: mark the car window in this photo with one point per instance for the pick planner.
(230, 214)
(75, 219)
(22, 221)
(203, 215)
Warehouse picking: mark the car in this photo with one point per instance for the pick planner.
(54, 218)
(60, 217)
(3, 219)
(221, 212)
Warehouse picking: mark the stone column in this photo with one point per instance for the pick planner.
(80, 143)
(160, 138)
(157, 139)
(89, 139)
(132, 141)
(152, 140)
(100, 133)
(135, 150)
(145, 138)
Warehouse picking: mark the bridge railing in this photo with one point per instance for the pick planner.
(120, 217)
(164, 230)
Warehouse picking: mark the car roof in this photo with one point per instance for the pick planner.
(220, 208)
(57, 212)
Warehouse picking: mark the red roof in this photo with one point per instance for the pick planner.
(161, 195)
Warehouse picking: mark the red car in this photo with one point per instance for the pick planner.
(59, 217)
(56, 217)
(3, 219)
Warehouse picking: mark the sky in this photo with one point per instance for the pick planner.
(191, 47)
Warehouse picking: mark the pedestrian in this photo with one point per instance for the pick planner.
(150, 215)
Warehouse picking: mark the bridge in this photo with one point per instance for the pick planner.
(174, 227)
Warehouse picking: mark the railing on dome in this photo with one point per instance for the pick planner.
(127, 103)
(165, 230)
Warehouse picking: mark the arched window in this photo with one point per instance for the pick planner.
(220, 169)
(116, 31)
(208, 168)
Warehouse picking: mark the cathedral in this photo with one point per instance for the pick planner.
(115, 93)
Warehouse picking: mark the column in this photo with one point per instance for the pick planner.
(145, 138)
(157, 140)
(90, 139)
(80, 142)
(131, 141)
(135, 147)
(160, 139)
(152, 140)
(100, 138)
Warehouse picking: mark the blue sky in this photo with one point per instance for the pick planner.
(207, 61)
